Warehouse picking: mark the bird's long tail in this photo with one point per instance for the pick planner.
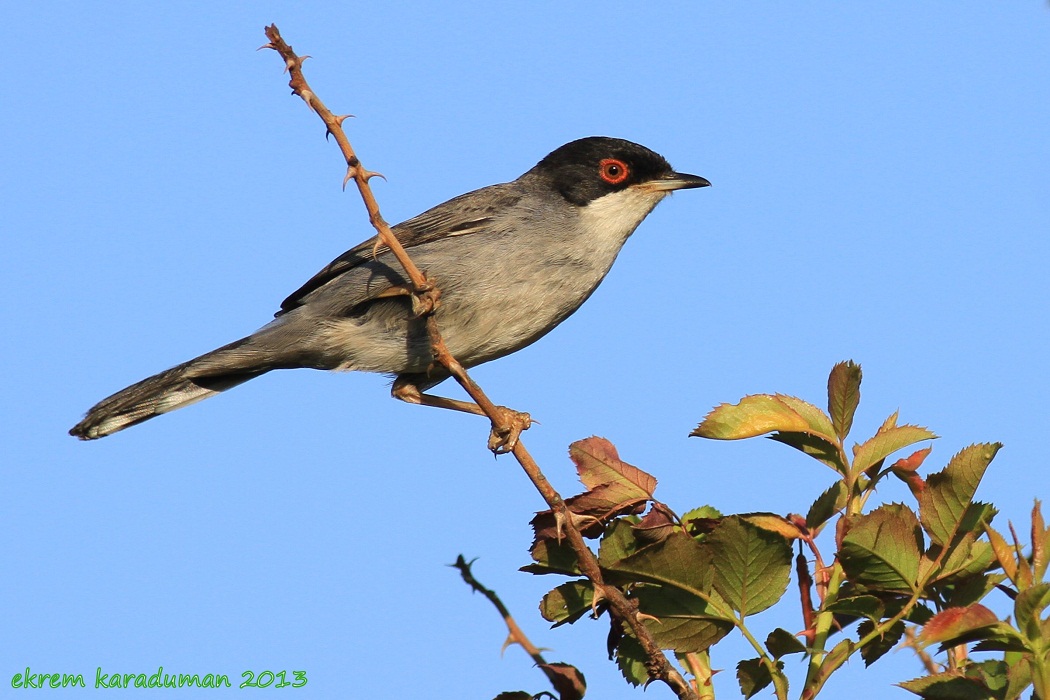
(190, 382)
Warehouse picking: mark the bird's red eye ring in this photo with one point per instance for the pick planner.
(613, 171)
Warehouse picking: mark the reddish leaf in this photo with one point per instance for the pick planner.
(598, 464)
(843, 396)
(566, 679)
(954, 622)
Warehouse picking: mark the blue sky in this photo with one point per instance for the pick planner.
(880, 193)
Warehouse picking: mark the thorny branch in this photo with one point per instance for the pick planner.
(515, 635)
(658, 666)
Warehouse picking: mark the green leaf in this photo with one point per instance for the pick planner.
(886, 442)
(949, 492)
(816, 447)
(878, 646)
(1028, 609)
(780, 643)
(971, 589)
(967, 557)
(684, 622)
(754, 415)
(948, 686)
(826, 506)
(753, 676)
(678, 561)
(818, 423)
(843, 396)
(553, 557)
(618, 542)
(631, 660)
(567, 603)
(754, 565)
(867, 606)
(881, 550)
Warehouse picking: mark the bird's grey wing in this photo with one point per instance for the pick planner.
(460, 216)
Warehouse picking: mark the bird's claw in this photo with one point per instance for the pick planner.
(504, 436)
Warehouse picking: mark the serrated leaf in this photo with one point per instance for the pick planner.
(952, 623)
(631, 660)
(949, 492)
(780, 643)
(618, 542)
(1028, 610)
(877, 647)
(817, 421)
(947, 686)
(867, 606)
(679, 561)
(885, 443)
(826, 506)
(816, 447)
(1040, 543)
(567, 603)
(598, 464)
(967, 557)
(754, 415)
(1004, 553)
(753, 676)
(972, 589)
(843, 396)
(774, 523)
(553, 557)
(882, 549)
(683, 622)
(752, 566)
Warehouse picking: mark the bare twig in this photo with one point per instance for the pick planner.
(504, 421)
(911, 640)
(354, 170)
(515, 635)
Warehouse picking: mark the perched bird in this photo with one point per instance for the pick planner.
(512, 261)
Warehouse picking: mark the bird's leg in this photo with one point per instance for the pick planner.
(505, 432)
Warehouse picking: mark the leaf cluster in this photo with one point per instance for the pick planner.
(899, 571)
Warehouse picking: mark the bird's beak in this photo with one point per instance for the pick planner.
(676, 181)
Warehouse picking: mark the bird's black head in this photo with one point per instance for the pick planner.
(592, 167)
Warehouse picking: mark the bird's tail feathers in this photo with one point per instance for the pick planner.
(188, 383)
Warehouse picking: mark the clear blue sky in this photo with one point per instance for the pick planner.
(880, 193)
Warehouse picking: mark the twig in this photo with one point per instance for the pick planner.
(354, 170)
(658, 666)
(911, 640)
(515, 635)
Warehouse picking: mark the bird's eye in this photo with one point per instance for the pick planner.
(613, 171)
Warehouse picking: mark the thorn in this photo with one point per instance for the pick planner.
(266, 46)
(597, 598)
(351, 173)
(375, 253)
(302, 59)
(369, 174)
(342, 118)
(308, 97)
(506, 643)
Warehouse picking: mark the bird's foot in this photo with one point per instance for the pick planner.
(504, 435)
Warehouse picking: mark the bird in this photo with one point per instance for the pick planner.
(511, 260)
